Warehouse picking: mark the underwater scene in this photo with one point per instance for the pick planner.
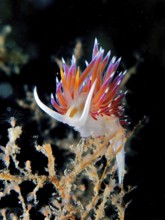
(82, 106)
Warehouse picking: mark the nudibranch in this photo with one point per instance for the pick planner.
(90, 101)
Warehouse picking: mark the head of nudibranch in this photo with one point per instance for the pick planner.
(90, 101)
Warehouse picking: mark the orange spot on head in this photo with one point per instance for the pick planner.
(73, 112)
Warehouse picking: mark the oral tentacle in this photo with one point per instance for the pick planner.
(49, 111)
(86, 110)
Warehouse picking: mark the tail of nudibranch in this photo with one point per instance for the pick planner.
(118, 143)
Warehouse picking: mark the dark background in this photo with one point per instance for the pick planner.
(134, 30)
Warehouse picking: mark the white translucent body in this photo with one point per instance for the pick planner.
(83, 122)
(103, 125)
